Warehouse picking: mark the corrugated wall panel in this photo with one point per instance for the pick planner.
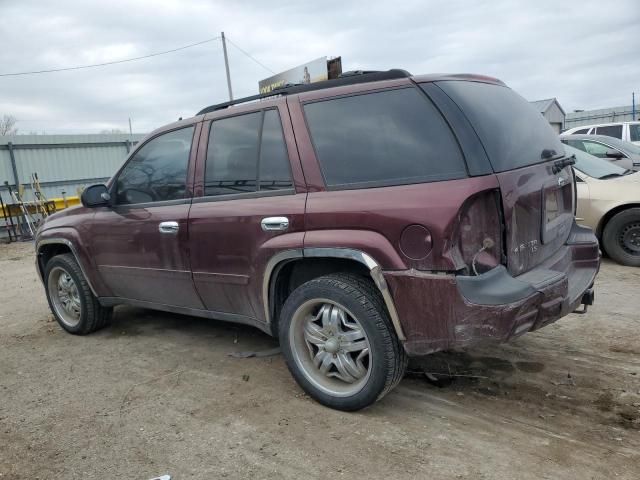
(603, 115)
(92, 157)
(5, 167)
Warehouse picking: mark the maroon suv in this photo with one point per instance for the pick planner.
(361, 220)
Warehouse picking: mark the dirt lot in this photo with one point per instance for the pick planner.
(157, 393)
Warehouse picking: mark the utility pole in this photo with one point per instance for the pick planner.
(226, 65)
(130, 130)
(633, 106)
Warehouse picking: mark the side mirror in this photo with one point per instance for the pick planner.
(95, 196)
(614, 154)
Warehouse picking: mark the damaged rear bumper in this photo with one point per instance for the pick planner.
(441, 311)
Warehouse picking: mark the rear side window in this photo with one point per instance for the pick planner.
(247, 153)
(513, 133)
(274, 161)
(386, 138)
(610, 131)
(634, 133)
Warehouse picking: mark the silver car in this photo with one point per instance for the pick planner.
(623, 154)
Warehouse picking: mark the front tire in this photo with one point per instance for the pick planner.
(621, 237)
(339, 343)
(73, 304)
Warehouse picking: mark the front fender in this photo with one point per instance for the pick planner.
(71, 238)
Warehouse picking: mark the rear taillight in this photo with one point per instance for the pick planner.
(480, 233)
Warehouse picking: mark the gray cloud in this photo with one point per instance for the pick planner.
(584, 53)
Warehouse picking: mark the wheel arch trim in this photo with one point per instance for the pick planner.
(74, 252)
(277, 261)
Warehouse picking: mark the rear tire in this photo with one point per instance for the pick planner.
(70, 298)
(339, 343)
(621, 237)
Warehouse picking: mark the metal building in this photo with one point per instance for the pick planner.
(603, 115)
(62, 162)
(551, 110)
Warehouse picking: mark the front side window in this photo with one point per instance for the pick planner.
(594, 148)
(158, 171)
(614, 131)
(385, 138)
(247, 153)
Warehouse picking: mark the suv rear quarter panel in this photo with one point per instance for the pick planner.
(373, 219)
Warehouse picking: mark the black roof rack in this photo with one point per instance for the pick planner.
(347, 78)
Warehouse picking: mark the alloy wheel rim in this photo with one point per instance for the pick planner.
(629, 238)
(331, 347)
(65, 296)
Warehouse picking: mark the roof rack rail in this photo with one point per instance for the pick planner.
(347, 78)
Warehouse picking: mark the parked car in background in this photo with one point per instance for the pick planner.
(627, 131)
(609, 203)
(623, 154)
(360, 220)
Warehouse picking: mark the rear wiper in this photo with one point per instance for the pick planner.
(562, 163)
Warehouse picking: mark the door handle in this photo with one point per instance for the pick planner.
(274, 224)
(168, 227)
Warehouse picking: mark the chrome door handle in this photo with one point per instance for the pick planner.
(273, 224)
(168, 227)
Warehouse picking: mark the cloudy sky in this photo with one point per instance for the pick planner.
(584, 53)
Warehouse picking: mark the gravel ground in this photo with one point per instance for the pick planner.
(158, 393)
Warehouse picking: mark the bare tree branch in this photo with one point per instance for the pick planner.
(8, 125)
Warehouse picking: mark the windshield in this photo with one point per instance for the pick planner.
(593, 166)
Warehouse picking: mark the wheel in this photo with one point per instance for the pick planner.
(339, 343)
(73, 304)
(621, 237)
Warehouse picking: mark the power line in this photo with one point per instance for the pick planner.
(80, 67)
(249, 55)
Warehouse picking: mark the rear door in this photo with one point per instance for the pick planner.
(250, 205)
(536, 184)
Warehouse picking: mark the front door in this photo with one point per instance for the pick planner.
(248, 210)
(140, 243)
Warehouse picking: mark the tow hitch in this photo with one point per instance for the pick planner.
(587, 299)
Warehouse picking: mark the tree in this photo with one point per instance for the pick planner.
(8, 125)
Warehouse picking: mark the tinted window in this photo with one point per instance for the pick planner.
(384, 138)
(274, 161)
(158, 171)
(232, 156)
(512, 131)
(581, 131)
(634, 133)
(614, 131)
(236, 156)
